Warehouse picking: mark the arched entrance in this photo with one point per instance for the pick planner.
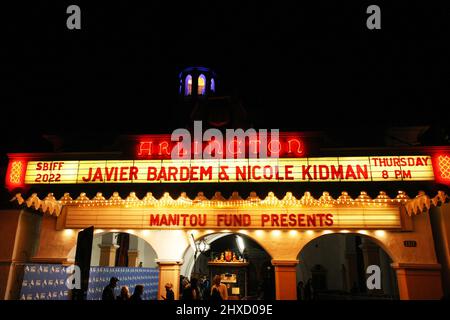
(244, 265)
(335, 266)
(124, 255)
(123, 250)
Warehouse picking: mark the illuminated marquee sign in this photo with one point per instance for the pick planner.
(285, 145)
(331, 169)
(235, 218)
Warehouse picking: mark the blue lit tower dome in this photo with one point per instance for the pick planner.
(197, 82)
(200, 100)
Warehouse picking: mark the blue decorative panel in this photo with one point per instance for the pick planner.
(44, 282)
(130, 277)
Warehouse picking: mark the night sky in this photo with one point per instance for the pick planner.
(296, 66)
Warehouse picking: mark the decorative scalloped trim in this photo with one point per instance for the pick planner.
(49, 204)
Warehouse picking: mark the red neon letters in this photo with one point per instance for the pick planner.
(161, 147)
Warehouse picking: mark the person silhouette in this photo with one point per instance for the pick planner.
(108, 291)
(138, 292)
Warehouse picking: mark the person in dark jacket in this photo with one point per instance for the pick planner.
(191, 291)
(108, 291)
(309, 290)
(138, 292)
(300, 291)
(170, 295)
(206, 289)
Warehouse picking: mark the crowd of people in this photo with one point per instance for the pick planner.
(108, 292)
(305, 292)
(193, 289)
(202, 289)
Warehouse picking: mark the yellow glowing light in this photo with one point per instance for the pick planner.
(130, 231)
(259, 233)
(327, 231)
(415, 168)
(276, 233)
(194, 232)
(309, 232)
(145, 232)
(293, 233)
(201, 84)
(344, 231)
(97, 231)
(380, 233)
(68, 232)
(243, 231)
(16, 171)
(363, 231)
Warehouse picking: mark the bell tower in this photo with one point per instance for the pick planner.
(200, 100)
(197, 83)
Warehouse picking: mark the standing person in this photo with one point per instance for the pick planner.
(300, 291)
(138, 292)
(124, 294)
(180, 289)
(170, 295)
(200, 286)
(108, 291)
(183, 286)
(206, 289)
(191, 291)
(308, 290)
(219, 291)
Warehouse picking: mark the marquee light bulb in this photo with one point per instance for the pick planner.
(380, 233)
(68, 232)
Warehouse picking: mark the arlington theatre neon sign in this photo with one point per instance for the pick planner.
(258, 157)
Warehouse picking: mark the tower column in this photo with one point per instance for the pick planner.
(133, 252)
(419, 281)
(285, 279)
(169, 272)
(108, 249)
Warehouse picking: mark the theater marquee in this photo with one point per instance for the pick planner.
(329, 217)
(330, 169)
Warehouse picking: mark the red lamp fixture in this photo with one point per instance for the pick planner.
(442, 168)
(15, 174)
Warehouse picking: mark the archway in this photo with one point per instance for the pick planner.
(145, 252)
(124, 255)
(334, 267)
(251, 277)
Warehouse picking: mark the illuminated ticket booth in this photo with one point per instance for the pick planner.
(114, 192)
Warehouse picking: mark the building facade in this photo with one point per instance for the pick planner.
(390, 205)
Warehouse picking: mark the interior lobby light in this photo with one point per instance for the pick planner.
(240, 243)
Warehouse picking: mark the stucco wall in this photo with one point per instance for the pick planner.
(280, 244)
(20, 234)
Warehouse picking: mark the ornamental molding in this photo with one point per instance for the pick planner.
(421, 203)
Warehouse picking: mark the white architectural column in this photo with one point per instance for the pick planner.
(133, 251)
(108, 249)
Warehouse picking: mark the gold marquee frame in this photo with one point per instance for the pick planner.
(422, 202)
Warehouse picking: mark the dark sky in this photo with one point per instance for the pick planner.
(299, 65)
